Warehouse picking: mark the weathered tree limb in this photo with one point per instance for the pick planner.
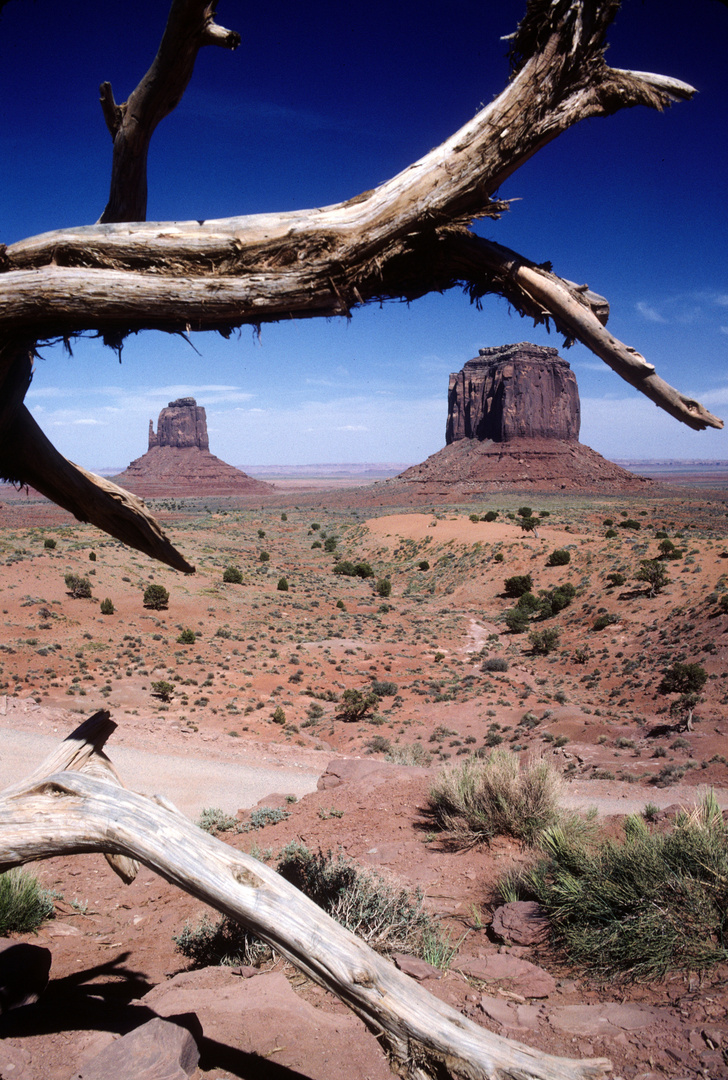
(30, 457)
(70, 812)
(191, 25)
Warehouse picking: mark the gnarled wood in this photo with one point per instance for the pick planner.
(75, 810)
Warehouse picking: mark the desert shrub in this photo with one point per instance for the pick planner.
(232, 575)
(484, 798)
(49, 543)
(498, 557)
(654, 574)
(608, 522)
(475, 517)
(214, 820)
(264, 556)
(156, 597)
(518, 585)
(107, 606)
(384, 587)
(162, 689)
(723, 602)
(345, 568)
(341, 605)
(525, 511)
(282, 585)
(517, 620)
(543, 642)
(551, 601)
(603, 621)
(279, 716)
(186, 637)
(79, 587)
(315, 544)
(528, 602)
(683, 679)
(355, 704)
(615, 579)
(220, 942)
(490, 515)
(611, 533)
(409, 754)
(284, 516)
(424, 565)
(653, 903)
(24, 905)
(92, 556)
(383, 688)
(666, 547)
(494, 663)
(315, 525)
(629, 523)
(390, 919)
(330, 543)
(559, 557)
(265, 815)
(261, 533)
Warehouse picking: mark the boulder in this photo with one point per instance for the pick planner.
(510, 973)
(158, 1050)
(522, 922)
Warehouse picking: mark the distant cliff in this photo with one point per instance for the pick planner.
(511, 392)
(183, 423)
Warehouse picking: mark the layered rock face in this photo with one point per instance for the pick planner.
(512, 424)
(513, 392)
(179, 462)
(183, 423)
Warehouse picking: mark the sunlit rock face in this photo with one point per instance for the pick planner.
(512, 392)
(183, 423)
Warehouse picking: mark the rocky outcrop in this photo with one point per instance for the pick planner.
(512, 425)
(513, 392)
(182, 424)
(179, 463)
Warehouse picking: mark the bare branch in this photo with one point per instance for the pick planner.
(70, 811)
(30, 457)
(190, 26)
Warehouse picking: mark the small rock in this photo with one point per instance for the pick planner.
(522, 922)
(158, 1050)
(416, 968)
(512, 973)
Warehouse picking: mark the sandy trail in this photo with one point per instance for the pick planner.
(190, 781)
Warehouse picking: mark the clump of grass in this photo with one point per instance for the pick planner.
(488, 797)
(409, 754)
(221, 942)
(265, 815)
(24, 905)
(655, 902)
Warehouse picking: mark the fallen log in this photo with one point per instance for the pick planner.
(74, 802)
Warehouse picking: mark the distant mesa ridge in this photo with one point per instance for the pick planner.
(179, 462)
(513, 421)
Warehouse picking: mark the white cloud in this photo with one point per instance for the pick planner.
(649, 313)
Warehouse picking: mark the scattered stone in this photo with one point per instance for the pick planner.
(512, 973)
(524, 922)
(607, 1018)
(416, 968)
(158, 1050)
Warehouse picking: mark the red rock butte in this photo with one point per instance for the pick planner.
(179, 462)
(512, 424)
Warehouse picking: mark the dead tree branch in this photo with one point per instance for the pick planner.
(73, 803)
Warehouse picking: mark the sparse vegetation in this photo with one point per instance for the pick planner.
(156, 597)
(559, 557)
(518, 585)
(186, 637)
(232, 575)
(24, 905)
(683, 679)
(79, 587)
(107, 606)
(214, 820)
(163, 690)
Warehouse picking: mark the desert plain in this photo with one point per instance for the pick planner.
(253, 673)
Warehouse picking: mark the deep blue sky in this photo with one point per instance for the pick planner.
(318, 104)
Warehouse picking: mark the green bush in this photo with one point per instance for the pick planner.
(475, 517)
(683, 679)
(79, 587)
(629, 523)
(653, 903)
(264, 556)
(282, 585)
(552, 601)
(107, 606)
(284, 516)
(517, 620)
(615, 579)
(355, 704)
(156, 597)
(24, 905)
(186, 637)
(346, 568)
(261, 533)
(409, 754)
(49, 543)
(543, 642)
(315, 544)
(279, 716)
(330, 543)
(490, 515)
(232, 575)
(518, 585)
(92, 556)
(559, 557)
(498, 557)
(162, 689)
(424, 565)
(525, 511)
(603, 621)
(654, 574)
(265, 815)
(484, 798)
(384, 688)
(384, 587)
(611, 533)
(222, 942)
